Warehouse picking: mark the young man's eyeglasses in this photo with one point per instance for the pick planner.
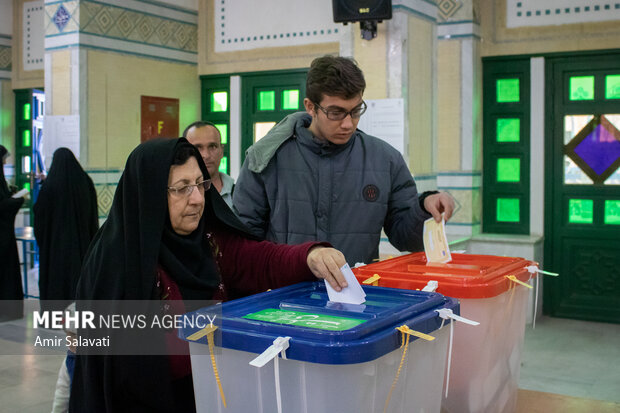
(340, 114)
(186, 190)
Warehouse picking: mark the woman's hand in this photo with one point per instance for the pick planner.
(325, 263)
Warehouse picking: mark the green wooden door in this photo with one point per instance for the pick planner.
(267, 98)
(582, 197)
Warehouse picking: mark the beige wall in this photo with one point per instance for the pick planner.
(449, 113)
(22, 79)
(499, 40)
(115, 84)
(421, 99)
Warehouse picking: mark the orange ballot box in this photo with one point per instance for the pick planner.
(483, 373)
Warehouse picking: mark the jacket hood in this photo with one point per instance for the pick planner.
(259, 154)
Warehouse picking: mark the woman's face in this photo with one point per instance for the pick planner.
(185, 210)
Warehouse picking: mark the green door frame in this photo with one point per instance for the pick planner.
(567, 296)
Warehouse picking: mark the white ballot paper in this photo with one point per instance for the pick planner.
(352, 294)
(20, 193)
(436, 245)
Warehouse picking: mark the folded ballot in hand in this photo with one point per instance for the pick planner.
(436, 245)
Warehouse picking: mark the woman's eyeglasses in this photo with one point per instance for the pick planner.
(340, 114)
(186, 190)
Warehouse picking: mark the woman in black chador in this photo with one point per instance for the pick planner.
(171, 238)
(10, 275)
(65, 220)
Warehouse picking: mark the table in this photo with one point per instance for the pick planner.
(25, 235)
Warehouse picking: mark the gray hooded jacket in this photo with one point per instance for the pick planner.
(293, 188)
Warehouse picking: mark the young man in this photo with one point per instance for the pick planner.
(314, 176)
(206, 138)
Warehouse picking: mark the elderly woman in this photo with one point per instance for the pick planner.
(170, 236)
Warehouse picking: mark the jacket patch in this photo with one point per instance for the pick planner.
(370, 193)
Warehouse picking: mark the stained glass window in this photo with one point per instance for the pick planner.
(223, 129)
(261, 129)
(507, 90)
(508, 210)
(508, 129)
(219, 101)
(612, 87)
(290, 99)
(596, 148)
(580, 211)
(26, 113)
(223, 164)
(267, 100)
(26, 137)
(508, 169)
(581, 88)
(612, 212)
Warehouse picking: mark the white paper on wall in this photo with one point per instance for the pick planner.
(385, 119)
(58, 132)
(32, 35)
(248, 24)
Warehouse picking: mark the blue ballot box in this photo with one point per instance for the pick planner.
(320, 356)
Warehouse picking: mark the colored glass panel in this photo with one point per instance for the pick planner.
(27, 110)
(266, 100)
(303, 319)
(27, 186)
(26, 137)
(290, 99)
(573, 124)
(600, 148)
(223, 164)
(507, 90)
(508, 210)
(261, 129)
(25, 164)
(612, 87)
(223, 129)
(612, 212)
(508, 170)
(219, 101)
(508, 129)
(581, 88)
(580, 211)
(574, 175)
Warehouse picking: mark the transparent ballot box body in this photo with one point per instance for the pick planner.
(341, 357)
(486, 359)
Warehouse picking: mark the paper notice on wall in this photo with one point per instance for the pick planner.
(436, 245)
(59, 132)
(385, 119)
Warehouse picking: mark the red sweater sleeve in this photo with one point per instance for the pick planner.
(249, 267)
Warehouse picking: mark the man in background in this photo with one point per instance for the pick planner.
(207, 139)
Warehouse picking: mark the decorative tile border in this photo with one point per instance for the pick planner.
(460, 29)
(523, 13)
(425, 9)
(132, 27)
(32, 36)
(5, 58)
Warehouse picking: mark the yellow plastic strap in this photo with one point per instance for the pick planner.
(374, 280)
(407, 330)
(518, 281)
(217, 376)
(403, 360)
(208, 331)
(201, 333)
